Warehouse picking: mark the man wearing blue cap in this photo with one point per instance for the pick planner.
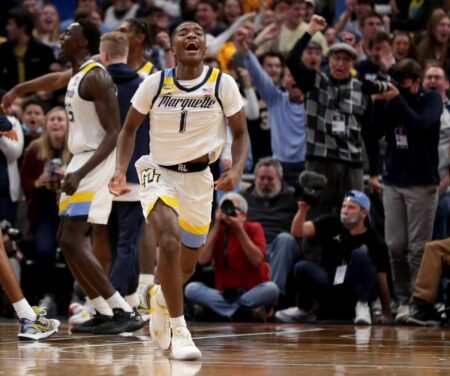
(353, 255)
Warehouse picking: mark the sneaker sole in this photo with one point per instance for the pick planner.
(38, 336)
(412, 320)
(362, 322)
(190, 356)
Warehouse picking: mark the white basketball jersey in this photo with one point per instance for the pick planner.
(187, 123)
(85, 130)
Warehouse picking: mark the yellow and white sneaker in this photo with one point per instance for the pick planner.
(159, 320)
(42, 327)
(183, 347)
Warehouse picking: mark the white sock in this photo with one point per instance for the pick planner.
(116, 301)
(160, 297)
(176, 322)
(101, 306)
(132, 300)
(146, 279)
(24, 310)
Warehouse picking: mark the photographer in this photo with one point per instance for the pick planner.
(353, 255)
(409, 118)
(242, 285)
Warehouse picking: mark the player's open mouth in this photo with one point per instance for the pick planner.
(192, 46)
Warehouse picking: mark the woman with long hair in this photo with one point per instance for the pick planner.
(434, 46)
(41, 172)
(47, 28)
(403, 46)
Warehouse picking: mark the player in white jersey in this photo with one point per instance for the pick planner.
(188, 107)
(94, 123)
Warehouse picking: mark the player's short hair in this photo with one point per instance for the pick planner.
(91, 33)
(140, 26)
(175, 31)
(117, 45)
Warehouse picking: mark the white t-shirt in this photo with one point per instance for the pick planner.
(188, 118)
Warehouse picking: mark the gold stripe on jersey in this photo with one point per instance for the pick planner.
(88, 67)
(214, 74)
(145, 69)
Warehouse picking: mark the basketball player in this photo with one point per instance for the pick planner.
(33, 323)
(93, 115)
(188, 107)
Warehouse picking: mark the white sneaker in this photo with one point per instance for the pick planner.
(143, 292)
(362, 314)
(80, 313)
(293, 314)
(183, 347)
(159, 320)
(402, 313)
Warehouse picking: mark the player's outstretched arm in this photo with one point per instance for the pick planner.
(239, 151)
(125, 147)
(47, 82)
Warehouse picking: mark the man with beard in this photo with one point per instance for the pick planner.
(272, 204)
(353, 256)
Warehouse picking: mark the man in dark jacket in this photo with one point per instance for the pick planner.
(22, 56)
(272, 203)
(409, 118)
(126, 217)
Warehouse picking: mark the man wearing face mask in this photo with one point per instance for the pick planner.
(409, 118)
(353, 256)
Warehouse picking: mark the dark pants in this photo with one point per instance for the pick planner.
(124, 225)
(8, 209)
(314, 283)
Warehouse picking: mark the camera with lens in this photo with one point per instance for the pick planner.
(10, 236)
(374, 87)
(311, 186)
(227, 207)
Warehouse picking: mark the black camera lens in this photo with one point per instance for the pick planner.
(227, 208)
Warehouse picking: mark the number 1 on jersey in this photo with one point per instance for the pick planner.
(183, 121)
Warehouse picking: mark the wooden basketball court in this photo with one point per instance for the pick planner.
(237, 349)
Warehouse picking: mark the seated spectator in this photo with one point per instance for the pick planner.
(238, 248)
(10, 150)
(33, 119)
(435, 264)
(403, 46)
(353, 255)
(41, 172)
(272, 204)
(22, 56)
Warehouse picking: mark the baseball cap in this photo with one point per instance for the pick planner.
(312, 44)
(343, 47)
(359, 198)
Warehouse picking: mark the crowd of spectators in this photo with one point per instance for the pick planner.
(355, 90)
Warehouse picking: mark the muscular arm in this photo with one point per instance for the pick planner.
(299, 227)
(99, 87)
(47, 82)
(239, 151)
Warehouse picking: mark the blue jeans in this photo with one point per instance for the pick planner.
(440, 230)
(314, 283)
(282, 254)
(265, 294)
(124, 225)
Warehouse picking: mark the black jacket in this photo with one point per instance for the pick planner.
(38, 59)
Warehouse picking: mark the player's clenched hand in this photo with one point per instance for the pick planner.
(70, 182)
(227, 181)
(118, 184)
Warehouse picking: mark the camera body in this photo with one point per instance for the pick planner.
(227, 207)
(311, 186)
(370, 87)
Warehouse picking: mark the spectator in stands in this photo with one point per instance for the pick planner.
(286, 113)
(435, 265)
(33, 119)
(435, 78)
(231, 11)
(86, 9)
(337, 113)
(10, 151)
(47, 28)
(434, 46)
(353, 255)
(409, 118)
(371, 23)
(207, 16)
(403, 46)
(41, 172)
(381, 59)
(119, 11)
(22, 56)
(242, 282)
(350, 20)
(272, 204)
(331, 36)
